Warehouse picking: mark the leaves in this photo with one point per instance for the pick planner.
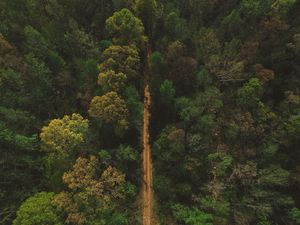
(109, 108)
(192, 216)
(64, 135)
(125, 28)
(92, 194)
(38, 209)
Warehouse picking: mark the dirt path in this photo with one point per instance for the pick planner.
(147, 191)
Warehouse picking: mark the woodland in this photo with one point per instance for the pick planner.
(150, 112)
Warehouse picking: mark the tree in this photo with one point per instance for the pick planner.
(125, 28)
(207, 43)
(176, 27)
(40, 82)
(110, 108)
(191, 216)
(112, 81)
(249, 94)
(295, 214)
(293, 126)
(148, 11)
(121, 59)
(200, 109)
(38, 209)
(255, 8)
(120, 4)
(35, 42)
(64, 136)
(62, 139)
(167, 91)
(92, 194)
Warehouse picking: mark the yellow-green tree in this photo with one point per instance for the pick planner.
(62, 136)
(62, 139)
(110, 108)
(121, 59)
(112, 81)
(125, 28)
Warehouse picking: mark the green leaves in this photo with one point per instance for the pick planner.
(249, 94)
(255, 8)
(35, 42)
(125, 28)
(220, 162)
(205, 104)
(295, 214)
(167, 91)
(191, 216)
(293, 126)
(273, 176)
(38, 209)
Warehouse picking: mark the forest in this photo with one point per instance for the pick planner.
(150, 112)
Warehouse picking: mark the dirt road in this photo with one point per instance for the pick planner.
(147, 190)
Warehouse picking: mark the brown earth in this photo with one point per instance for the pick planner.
(147, 186)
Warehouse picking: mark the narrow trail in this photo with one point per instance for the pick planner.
(147, 186)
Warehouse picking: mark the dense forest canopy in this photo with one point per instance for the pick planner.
(224, 78)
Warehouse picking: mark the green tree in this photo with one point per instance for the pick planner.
(295, 214)
(38, 209)
(35, 42)
(249, 94)
(148, 11)
(125, 28)
(200, 111)
(191, 216)
(167, 91)
(293, 126)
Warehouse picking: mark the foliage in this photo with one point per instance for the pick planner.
(121, 59)
(192, 216)
(92, 194)
(125, 28)
(112, 81)
(38, 209)
(295, 214)
(110, 108)
(249, 94)
(64, 135)
(167, 91)
(293, 126)
(225, 106)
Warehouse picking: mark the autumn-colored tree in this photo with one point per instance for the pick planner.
(92, 193)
